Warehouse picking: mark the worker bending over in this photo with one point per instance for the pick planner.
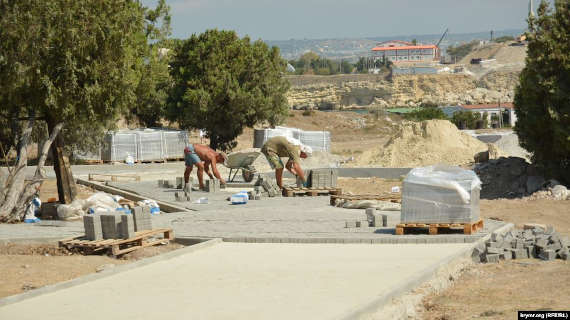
(203, 157)
(278, 147)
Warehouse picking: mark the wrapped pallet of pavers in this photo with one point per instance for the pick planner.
(440, 194)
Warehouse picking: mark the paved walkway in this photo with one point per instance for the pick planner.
(244, 281)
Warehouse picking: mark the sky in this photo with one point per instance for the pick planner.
(322, 19)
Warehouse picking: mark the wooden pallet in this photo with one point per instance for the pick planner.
(295, 191)
(117, 247)
(396, 198)
(434, 228)
(113, 177)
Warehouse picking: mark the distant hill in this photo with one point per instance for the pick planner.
(353, 48)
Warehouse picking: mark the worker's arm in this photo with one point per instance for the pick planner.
(216, 172)
(207, 169)
(187, 173)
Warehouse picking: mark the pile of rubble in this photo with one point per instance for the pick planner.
(513, 177)
(535, 241)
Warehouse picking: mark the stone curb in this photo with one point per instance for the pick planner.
(106, 273)
(378, 302)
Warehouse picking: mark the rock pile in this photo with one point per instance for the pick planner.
(533, 242)
(510, 177)
(513, 177)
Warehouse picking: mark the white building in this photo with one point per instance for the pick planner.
(504, 111)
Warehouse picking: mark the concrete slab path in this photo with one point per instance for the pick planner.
(244, 281)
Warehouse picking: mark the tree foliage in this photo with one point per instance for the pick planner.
(542, 98)
(311, 63)
(426, 113)
(223, 83)
(468, 120)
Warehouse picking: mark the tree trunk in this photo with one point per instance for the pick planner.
(66, 188)
(19, 193)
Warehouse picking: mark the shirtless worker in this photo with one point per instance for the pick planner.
(203, 156)
(278, 147)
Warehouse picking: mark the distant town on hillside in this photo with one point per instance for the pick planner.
(353, 48)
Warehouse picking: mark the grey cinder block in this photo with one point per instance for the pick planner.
(506, 255)
(350, 224)
(110, 226)
(93, 229)
(493, 250)
(127, 226)
(520, 254)
(142, 218)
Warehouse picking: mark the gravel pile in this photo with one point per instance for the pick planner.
(535, 241)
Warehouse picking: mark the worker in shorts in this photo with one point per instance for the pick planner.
(278, 147)
(203, 157)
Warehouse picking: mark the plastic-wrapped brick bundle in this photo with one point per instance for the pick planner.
(318, 140)
(440, 194)
(87, 155)
(149, 143)
(118, 145)
(174, 143)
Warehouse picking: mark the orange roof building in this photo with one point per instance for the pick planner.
(402, 51)
(505, 110)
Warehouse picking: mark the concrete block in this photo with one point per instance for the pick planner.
(554, 246)
(179, 182)
(563, 254)
(350, 224)
(493, 250)
(506, 255)
(93, 229)
(541, 242)
(547, 255)
(362, 224)
(110, 226)
(127, 226)
(534, 226)
(520, 254)
(495, 244)
(142, 218)
(489, 258)
(519, 244)
(160, 183)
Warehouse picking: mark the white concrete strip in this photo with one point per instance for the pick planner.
(243, 281)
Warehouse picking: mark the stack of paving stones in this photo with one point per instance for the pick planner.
(185, 195)
(179, 182)
(213, 185)
(165, 184)
(322, 178)
(535, 242)
(117, 226)
(357, 224)
(376, 219)
(142, 218)
(270, 186)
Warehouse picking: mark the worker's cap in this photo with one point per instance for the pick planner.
(186, 150)
(306, 149)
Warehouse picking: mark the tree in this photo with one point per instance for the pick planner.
(542, 98)
(426, 113)
(461, 50)
(466, 119)
(68, 64)
(223, 83)
(153, 75)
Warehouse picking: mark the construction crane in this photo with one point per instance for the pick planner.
(443, 36)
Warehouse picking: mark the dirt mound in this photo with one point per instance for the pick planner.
(425, 143)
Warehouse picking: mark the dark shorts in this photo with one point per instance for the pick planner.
(191, 157)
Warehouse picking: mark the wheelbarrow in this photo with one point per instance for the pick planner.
(242, 161)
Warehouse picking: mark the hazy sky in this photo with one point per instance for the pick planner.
(315, 19)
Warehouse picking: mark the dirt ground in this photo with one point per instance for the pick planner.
(25, 267)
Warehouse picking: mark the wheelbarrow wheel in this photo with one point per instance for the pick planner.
(247, 175)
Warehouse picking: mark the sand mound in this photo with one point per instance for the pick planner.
(426, 143)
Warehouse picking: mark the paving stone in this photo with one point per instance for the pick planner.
(547, 255)
(495, 244)
(507, 255)
(350, 224)
(541, 242)
(489, 258)
(554, 246)
(493, 250)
